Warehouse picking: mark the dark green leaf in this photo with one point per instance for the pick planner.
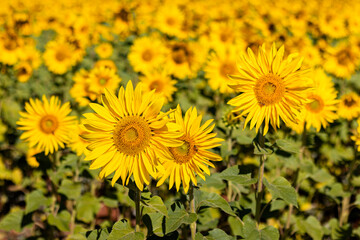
(61, 220)
(177, 215)
(86, 208)
(70, 189)
(205, 199)
(122, 231)
(34, 200)
(155, 204)
(281, 188)
(233, 174)
(288, 145)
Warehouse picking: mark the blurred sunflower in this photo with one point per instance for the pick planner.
(161, 82)
(104, 50)
(356, 137)
(219, 66)
(23, 71)
(106, 63)
(59, 57)
(271, 87)
(101, 78)
(183, 163)
(78, 144)
(46, 124)
(81, 89)
(349, 106)
(322, 106)
(147, 53)
(9, 48)
(342, 60)
(128, 134)
(169, 20)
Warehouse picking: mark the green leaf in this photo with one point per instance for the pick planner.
(208, 218)
(155, 204)
(288, 145)
(98, 234)
(281, 188)
(177, 215)
(205, 199)
(234, 174)
(12, 221)
(34, 200)
(86, 208)
(236, 226)
(218, 234)
(258, 150)
(313, 227)
(70, 189)
(153, 222)
(249, 226)
(337, 190)
(122, 231)
(267, 233)
(61, 220)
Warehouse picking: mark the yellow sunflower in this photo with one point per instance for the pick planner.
(342, 60)
(161, 82)
(183, 163)
(169, 19)
(101, 78)
(23, 71)
(59, 57)
(81, 89)
(30, 157)
(9, 48)
(147, 53)
(349, 106)
(356, 137)
(78, 144)
(46, 124)
(106, 63)
(104, 50)
(272, 88)
(219, 66)
(322, 106)
(128, 134)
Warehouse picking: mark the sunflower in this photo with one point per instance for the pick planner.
(342, 60)
(219, 66)
(169, 20)
(184, 162)
(59, 57)
(147, 53)
(349, 106)
(185, 58)
(46, 124)
(322, 105)
(78, 144)
(272, 88)
(101, 78)
(356, 137)
(9, 48)
(81, 89)
(23, 71)
(30, 157)
(106, 63)
(128, 134)
(104, 50)
(161, 82)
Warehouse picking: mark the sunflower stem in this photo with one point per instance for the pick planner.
(192, 210)
(259, 190)
(137, 209)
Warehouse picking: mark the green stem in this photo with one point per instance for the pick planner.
(192, 210)
(259, 190)
(137, 209)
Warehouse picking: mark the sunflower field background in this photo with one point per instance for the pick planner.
(179, 119)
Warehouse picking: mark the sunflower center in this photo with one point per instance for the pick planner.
(269, 89)
(316, 105)
(227, 68)
(60, 56)
(48, 124)
(344, 57)
(181, 54)
(102, 81)
(147, 55)
(170, 21)
(349, 102)
(132, 135)
(10, 45)
(185, 152)
(156, 85)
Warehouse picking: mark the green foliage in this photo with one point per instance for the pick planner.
(281, 188)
